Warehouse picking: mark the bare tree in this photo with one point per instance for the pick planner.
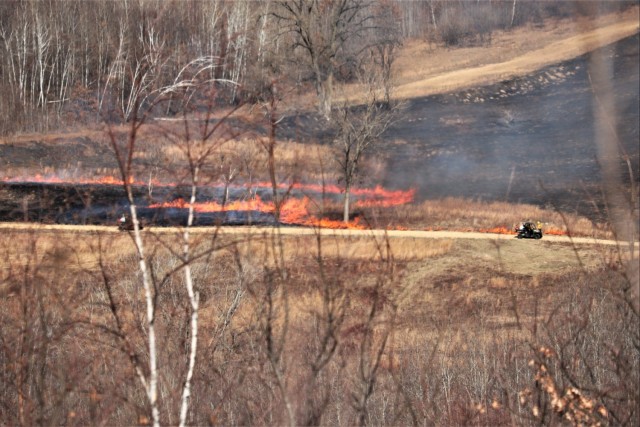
(197, 154)
(197, 147)
(387, 41)
(322, 29)
(376, 332)
(358, 129)
(124, 153)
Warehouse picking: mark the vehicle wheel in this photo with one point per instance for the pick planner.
(537, 236)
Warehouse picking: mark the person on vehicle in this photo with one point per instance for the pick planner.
(539, 225)
(125, 223)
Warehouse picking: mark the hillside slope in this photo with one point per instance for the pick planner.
(422, 69)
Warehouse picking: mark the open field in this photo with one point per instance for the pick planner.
(75, 248)
(520, 140)
(465, 141)
(102, 204)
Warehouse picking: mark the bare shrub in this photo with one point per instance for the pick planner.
(585, 355)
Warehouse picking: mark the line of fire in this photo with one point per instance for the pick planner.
(102, 201)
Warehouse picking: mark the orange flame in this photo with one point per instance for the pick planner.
(379, 197)
(371, 197)
(367, 197)
(497, 230)
(555, 232)
(292, 211)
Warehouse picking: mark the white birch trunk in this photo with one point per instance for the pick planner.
(151, 385)
(43, 41)
(194, 299)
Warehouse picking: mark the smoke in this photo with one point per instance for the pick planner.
(467, 144)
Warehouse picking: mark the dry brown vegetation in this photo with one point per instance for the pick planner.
(461, 214)
(378, 331)
(158, 158)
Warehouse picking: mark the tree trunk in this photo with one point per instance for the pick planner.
(433, 16)
(347, 194)
(325, 95)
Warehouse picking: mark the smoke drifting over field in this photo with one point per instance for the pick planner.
(527, 140)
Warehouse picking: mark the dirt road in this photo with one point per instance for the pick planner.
(302, 231)
(562, 50)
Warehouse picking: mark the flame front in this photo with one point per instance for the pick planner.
(497, 230)
(295, 211)
(292, 211)
(367, 197)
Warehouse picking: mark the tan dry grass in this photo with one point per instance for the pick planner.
(248, 156)
(422, 69)
(459, 213)
(80, 249)
(292, 159)
(347, 247)
(65, 253)
(71, 250)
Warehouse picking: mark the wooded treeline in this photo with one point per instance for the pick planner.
(75, 61)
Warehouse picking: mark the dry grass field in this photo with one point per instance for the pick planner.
(440, 329)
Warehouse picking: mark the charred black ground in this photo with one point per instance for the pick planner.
(89, 204)
(527, 140)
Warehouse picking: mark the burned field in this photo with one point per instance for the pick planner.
(93, 204)
(526, 140)
(104, 201)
